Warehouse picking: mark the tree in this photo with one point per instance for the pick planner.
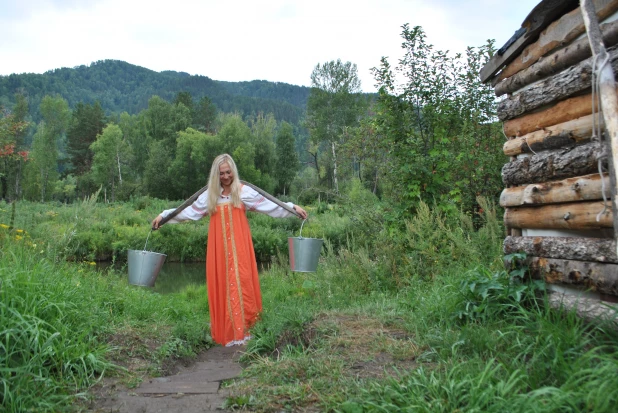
(205, 115)
(11, 128)
(111, 154)
(437, 126)
(287, 159)
(56, 114)
(86, 124)
(335, 105)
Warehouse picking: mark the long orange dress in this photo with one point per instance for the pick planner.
(234, 296)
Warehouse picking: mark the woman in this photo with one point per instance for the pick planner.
(234, 294)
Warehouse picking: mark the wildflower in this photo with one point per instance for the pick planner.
(92, 263)
(18, 237)
(19, 231)
(4, 226)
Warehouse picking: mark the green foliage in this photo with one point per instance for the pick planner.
(120, 86)
(287, 159)
(488, 295)
(87, 122)
(112, 155)
(56, 319)
(438, 124)
(334, 107)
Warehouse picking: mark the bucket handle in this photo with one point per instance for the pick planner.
(301, 228)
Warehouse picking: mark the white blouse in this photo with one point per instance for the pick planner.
(252, 200)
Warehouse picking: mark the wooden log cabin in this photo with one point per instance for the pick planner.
(554, 78)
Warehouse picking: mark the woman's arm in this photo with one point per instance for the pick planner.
(194, 212)
(256, 202)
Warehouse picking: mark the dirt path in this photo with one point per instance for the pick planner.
(195, 388)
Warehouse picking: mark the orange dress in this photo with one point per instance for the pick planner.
(234, 296)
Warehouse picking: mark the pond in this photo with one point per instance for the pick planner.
(175, 276)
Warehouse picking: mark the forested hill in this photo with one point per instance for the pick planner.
(120, 86)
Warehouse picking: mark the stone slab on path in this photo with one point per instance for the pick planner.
(194, 388)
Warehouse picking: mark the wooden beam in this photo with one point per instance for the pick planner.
(561, 112)
(539, 18)
(609, 100)
(581, 188)
(565, 84)
(552, 165)
(559, 33)
(602, 278)
(576, 216)
(556, 62)
(566, 134)
(564, 248)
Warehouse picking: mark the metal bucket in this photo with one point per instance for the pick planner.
(144, 267)
(304, 252)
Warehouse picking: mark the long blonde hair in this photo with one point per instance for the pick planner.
(214, 183)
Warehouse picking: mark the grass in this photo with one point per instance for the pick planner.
(420, 317)
(456, 335)
(63, 326)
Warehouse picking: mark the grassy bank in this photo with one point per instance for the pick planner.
(64, 326)
(416, 316)
(453, 333)
(90, 231)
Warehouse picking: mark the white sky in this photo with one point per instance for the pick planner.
(241, 40)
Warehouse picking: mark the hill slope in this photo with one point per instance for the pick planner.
(120, 86)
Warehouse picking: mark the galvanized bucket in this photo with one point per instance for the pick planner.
(304, 252)
(144, 267)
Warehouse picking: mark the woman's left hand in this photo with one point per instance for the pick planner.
(301, 212)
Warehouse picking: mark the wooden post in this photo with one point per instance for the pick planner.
(609, 101)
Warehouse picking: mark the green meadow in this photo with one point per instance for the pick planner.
(421, 318)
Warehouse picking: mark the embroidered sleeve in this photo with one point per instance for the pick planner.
(193, 212)
(256, 202)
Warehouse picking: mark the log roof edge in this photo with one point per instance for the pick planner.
(537, 20)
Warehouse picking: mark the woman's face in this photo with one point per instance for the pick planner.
(225, 175)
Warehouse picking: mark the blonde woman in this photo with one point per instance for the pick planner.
(234, 295)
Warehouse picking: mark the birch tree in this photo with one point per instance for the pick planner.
(334, 106)
(111, 153)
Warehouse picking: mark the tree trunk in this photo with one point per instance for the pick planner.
(563, 85)
(564, 248)
(599, 277)
(574, 216)
(561, 112)
(581, 188)
(556, 62)
(560, 32)
(565, 134)
(552, 166)
(335, 183)
(119, 173)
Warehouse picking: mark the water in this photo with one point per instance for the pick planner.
(175, 276)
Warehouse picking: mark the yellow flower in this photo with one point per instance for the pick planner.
(4, 226)
(19, 231)
(18, 237)
(92, 263)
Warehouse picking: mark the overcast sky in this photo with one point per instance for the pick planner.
(241, 40)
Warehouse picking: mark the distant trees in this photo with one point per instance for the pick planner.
(111, 156)
(335, 106)
(86, 123)
(44, 165)
(287, 159)
(437, 127)
(12, 128)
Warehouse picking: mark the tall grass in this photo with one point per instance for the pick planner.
(62, 326)
(442, 328)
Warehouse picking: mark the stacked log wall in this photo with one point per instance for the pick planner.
(552, 181)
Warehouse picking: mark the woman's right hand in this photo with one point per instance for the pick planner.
(156, 221)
